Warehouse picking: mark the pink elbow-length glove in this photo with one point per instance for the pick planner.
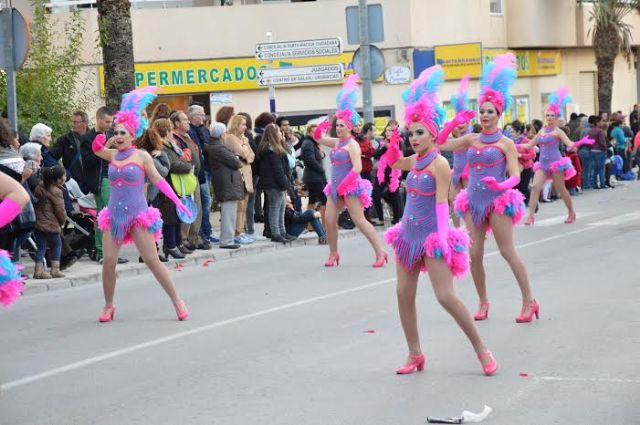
(9, 209)
(98, 143)
(442, 221)
(461, 117)
(493, 184)
(348, 180)
(584, 141)
(163, 186)
(321, 129)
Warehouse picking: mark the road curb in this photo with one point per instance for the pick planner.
(216, 254)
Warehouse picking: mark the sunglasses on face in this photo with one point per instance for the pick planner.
(120, 133)
(418, 133)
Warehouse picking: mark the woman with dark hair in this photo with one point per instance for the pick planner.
(224, 115)
(51, 216)
(273, 167)
(314, 176)
(525, 159)
(260, 211)
(162, 110)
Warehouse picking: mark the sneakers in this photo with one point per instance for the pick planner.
(212, 239)
(243, 239)
(252, 237)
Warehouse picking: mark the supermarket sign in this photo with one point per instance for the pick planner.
(219, 75)
(530, 62)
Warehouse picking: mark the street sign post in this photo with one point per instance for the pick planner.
(301, 75)
(299, 49)
(14, 48)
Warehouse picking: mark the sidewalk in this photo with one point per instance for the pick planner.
(87, 272)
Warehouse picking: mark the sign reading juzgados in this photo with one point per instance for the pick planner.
(183, 77)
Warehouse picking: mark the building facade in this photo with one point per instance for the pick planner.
(200, 51)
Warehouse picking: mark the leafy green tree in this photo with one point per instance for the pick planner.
(52, 83)
(610, 36)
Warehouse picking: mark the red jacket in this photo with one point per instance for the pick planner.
(367, 151)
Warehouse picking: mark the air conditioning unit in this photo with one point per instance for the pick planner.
(402, 55)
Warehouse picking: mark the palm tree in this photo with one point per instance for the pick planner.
(116, 40)
(610, 36)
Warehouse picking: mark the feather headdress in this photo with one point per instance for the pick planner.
(497, 78)
(460, 99)
(133, 103)
(421, 100)
(346, 101)
(558, 101)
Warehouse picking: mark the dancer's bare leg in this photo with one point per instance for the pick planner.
(476, 252)
(442, 282)
(356, 211)
(110, 251)
(406, 290)
(538, 182)
(454, 189)
(561, 189)
(331, 218)
(502, 227)
(146, 245)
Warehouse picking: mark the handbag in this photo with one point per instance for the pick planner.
(187, 201)
(184, 184)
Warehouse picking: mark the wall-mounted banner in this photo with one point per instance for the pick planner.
(530, 62)
(458, 60)
(218, 75)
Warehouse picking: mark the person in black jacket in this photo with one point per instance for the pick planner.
(67, 147)
(314, 176)
(273, 168)
(228, 187)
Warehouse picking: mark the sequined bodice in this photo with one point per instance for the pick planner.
(127, 196)
(549, 149)
(418, 220)
(484, 161)
(459, 161)
(340, 163)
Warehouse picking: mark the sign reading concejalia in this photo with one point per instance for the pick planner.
(299, 49)
(301, 75)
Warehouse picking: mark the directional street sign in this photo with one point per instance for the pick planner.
(299, 49)
(301, 75)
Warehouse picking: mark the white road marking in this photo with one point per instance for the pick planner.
(117, 353)
(578, 379)
(618, 220)
(552, 221)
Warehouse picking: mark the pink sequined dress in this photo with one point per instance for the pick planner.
(551, 160)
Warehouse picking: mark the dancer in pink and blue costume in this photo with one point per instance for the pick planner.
(14, 198)
(460, 177)
(127, 218)
(490, 202)
(552, 165)
(423, 239)
(346, 188)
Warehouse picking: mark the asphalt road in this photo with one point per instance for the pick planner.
(278, 339)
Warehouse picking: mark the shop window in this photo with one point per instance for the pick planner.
(519, 110)
(495, 7)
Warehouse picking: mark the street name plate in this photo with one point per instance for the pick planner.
(299, 49)
(301, 75)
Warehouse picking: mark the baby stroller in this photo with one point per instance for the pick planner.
(79, 230)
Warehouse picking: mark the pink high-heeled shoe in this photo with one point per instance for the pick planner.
(108, 314)
(181, 310)
(333, 260)
(381, 262)
(483, 311)
(530, 221)
(533, 307)
(488, 362)
(415, 363)
(571, 218)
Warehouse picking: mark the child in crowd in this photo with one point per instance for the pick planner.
(50, 215)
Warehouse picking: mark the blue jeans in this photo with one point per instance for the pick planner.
(205, 198)
(297, 228)
(17, 243)
(598, 159)
(276, 211)
(52, 239)
(587, 168)
(251, 207)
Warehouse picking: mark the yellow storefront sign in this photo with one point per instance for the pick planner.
(530, 62)
(182, 77)
(458, 60)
